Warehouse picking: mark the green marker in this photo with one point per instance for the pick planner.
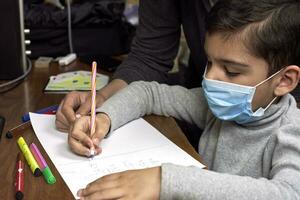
(50, 179)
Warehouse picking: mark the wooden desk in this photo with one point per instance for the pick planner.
(28, 96)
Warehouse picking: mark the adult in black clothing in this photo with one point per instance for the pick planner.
(152, 53)
(157, 40)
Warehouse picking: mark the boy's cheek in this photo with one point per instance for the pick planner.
(262, 97)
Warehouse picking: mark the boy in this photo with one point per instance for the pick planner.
(251, 138)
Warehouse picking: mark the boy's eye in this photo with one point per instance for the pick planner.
(229, 73)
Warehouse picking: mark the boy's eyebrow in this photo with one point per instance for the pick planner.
(233, 62)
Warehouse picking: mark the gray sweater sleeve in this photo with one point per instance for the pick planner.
(143, 98)
(282, 183)
(192, 183)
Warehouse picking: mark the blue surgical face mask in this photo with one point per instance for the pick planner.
(232, 102)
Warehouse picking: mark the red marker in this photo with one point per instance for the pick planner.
(20, 177)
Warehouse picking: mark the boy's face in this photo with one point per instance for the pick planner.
(230, 61)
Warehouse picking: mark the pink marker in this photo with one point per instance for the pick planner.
(50, 179)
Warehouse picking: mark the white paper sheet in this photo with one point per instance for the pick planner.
(135, 145)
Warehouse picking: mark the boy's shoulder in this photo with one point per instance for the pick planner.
(291, 117)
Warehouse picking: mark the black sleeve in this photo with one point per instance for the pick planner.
(156, 42)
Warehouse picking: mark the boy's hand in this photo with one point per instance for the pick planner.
(79, 137)
(133, 184)
(79, 102)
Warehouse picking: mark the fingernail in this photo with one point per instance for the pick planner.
(79, 192)
(78, 116)
(98, 151)
(92, 152)
(96, 141)
(88, 153)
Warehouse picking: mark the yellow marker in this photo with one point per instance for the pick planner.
(29, 157)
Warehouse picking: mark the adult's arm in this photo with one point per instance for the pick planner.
(156, 42)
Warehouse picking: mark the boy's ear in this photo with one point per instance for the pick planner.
(288, 80)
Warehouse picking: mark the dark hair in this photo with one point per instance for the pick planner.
(270, 28)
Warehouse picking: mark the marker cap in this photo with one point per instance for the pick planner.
(19, 195)
(37, 172)
(9, 135)
(50, 179)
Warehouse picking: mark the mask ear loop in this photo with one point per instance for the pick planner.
(205, 70)
(270, 103)
(269, 77)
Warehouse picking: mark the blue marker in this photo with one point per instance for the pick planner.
(48, 110)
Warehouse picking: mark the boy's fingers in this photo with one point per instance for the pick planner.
(82, 124)
(68, 111)
(71, 102)
(111, 193)
(99, 186)
(79, 140)
(108, 177)
(61, 118)
(61, 127)
(85, 108)
(61, 122)
(98, 150)
(80, 131)
(78, 148)
(82, 137)
(98, 136)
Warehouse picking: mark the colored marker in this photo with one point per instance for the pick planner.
(51, 110)
(18, 130)
(50, 179)
(20, 177)
(29, 157)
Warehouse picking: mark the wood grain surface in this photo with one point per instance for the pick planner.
(29, 96)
